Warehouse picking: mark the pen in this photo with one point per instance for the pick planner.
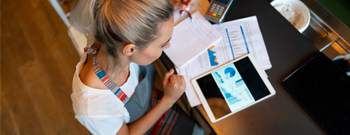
(188, 13)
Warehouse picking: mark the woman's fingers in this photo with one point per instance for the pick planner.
(177, 81)
(182, 12)
(173, 79)
(184, 4)
(174, 86)
(167, 76)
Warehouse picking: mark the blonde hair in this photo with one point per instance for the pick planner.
(115, 23)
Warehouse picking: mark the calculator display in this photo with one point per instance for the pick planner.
(222, 1)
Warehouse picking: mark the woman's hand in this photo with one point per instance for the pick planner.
(174, 86)
(185, 5)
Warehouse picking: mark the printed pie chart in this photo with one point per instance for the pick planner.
(230, 71)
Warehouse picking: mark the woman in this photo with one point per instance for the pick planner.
(112, 94)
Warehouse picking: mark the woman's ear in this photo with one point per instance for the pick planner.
(129, 49)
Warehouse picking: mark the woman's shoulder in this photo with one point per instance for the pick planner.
(88, 76)
(89, 101)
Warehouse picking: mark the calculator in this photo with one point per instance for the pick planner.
(217, 10)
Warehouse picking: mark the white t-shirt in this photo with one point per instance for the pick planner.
(99, 110)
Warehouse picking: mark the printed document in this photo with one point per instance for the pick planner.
(190, 39)
(239, 37)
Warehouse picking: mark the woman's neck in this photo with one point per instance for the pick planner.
(116, 69)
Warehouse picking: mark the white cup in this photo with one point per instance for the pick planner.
(295, 11)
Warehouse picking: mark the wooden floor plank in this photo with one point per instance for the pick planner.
(19, 103)
(37, 65)
(8, 124)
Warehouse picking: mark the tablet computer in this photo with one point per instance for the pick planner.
(232, 87)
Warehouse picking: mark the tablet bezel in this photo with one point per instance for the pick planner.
(204, 101)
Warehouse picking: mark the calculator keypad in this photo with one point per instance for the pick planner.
(216, 10)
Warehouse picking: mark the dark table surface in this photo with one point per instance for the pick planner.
(288, 50)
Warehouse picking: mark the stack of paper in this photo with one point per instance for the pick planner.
(190, 38)
(239, 37)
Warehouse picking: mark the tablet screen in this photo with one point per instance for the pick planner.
(232, 87)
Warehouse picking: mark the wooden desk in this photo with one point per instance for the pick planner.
(288, 50)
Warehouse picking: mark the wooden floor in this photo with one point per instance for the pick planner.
(37, 65)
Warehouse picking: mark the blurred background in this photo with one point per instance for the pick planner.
(339, 8)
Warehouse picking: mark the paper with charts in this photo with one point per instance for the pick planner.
(190, 39)
(240, 37)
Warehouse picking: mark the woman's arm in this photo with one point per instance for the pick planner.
(174, 87)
